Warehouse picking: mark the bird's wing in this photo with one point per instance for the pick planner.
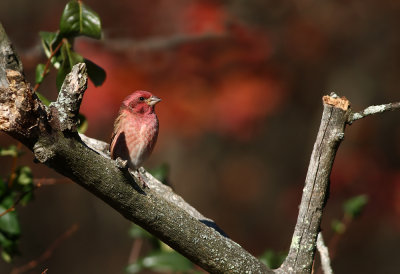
(116, 132)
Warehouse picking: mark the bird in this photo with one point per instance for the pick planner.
(135, 130)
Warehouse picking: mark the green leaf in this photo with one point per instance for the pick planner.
(49, 40)
(10, 151)
(6, 256)
(5, 242)
(61, 74)
(9, 222)
(42, 98)
(137, 232)
(9, 246)
(78, 19)
(161, 261)
(83, 124)
(354, 206)
(135, 267)
(338, 226)
(167, 261)
(24, 176)
(273, 259)
(27, 198)
(96, 74)
(40, 74)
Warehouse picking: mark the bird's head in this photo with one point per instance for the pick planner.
(141, 102)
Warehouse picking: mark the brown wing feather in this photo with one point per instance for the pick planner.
(116, 132)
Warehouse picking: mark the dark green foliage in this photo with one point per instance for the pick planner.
(78, 19)
(161, 173)
(95, 73)
(68, 58)
(19, 190)
(162, 258)
(273, 259)
(161, 261)
(355, 205)
(44, 100)
(352, 208)
(40, 73)
(338, 226)
(10, 151)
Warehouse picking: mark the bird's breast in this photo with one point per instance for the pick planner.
(140, 135)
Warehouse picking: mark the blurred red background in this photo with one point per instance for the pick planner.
(241, 83)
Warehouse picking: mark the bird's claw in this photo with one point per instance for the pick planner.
(121, 163)
(139, 175)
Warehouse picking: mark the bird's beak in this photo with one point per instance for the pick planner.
(153, 100)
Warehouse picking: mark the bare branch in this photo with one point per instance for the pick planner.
(159, 43)
(331, 132)
(371, 110)
(324, 253)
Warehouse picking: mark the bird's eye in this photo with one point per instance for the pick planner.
(141, 98)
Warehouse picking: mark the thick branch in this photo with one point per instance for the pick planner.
(64, 151)
(163, 190)
(330, 134)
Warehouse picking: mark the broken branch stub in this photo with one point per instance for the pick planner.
(330, 134)
(65, 110)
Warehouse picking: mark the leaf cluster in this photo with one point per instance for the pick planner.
(161, 258)
(76, 20)
(17, 189)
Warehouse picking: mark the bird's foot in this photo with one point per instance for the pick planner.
(122, 164)
(138, 173)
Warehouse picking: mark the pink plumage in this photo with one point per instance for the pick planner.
(135, 129)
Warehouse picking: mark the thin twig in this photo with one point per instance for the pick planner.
(12, 208)
(46, 67)
(50, 181)
(324, 254)
(14, 166)
(333, 243)
(37, 183)
(372, 110)
(135, 251)
(47, 253)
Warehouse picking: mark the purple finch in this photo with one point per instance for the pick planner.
(135, 129)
